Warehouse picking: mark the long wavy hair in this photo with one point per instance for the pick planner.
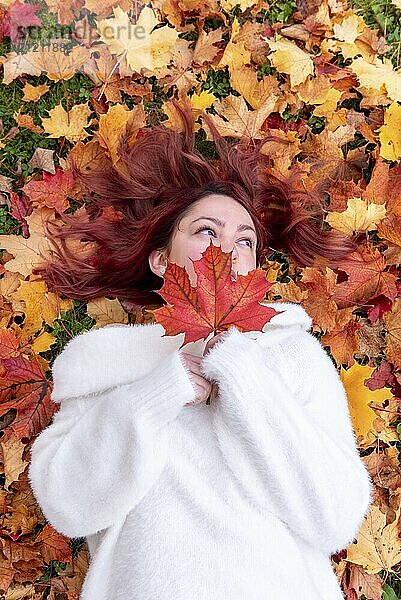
(135, 205)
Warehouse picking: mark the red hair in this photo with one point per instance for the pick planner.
(160, 176)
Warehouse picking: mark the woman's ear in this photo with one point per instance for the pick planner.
(157, 259)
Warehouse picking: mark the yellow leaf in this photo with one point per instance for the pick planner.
(328, 107)
(105, 311)
(141, 47)
(60, 65)
(229, 5)
(359, 396)
(38, 304)
(202, 100)
(314, 90)
(360, 215)
(24, 250)
(378, 75)
(390, 133)
(8, 284)
(70, 125)
(348, 29)
(112, 124)
(205, 49)
(15, 65)
(33, 93)
(123, 37)
(162, 41)
(235, 54)
(28, 252)
(12, 450)
(43, 342)
(288, 58)
(238, 120)
(245, 81)
(378, 546)
(319, 90)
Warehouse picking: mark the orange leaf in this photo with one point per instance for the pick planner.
(217, 302)
(52, 190)
(54, 545)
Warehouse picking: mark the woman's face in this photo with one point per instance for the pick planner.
(235, 232)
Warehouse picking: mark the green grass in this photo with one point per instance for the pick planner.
(69, 324)
(21, 148)
(386, 18)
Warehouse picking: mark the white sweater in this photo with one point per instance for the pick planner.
(244, 499)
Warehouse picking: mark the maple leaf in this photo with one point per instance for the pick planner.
(28, 252)
(376, 74)
(33, 93)
(390, 139)
(14, 465)
(378, 545)
(236, 52)
(245, 81)
(114, 123)
(360, 398)
(68, 124)
(141, 46)
(25, 389)
(205, 50)
(238, 120)
(217, 302)
(367, 278)
(52, 190)
(288, 58)
(360, 215)
(54, 545)
(20, 15)
(61, 65)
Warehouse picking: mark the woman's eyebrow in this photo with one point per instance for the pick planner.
(221, 223)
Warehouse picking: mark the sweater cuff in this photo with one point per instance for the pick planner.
(161, 394)
(228, 354)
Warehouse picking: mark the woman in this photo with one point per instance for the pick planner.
(246, 497)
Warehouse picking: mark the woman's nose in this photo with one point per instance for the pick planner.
(228, 246)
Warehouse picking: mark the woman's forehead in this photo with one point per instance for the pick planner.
(219, 206)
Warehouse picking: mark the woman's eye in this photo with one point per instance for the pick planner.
(205, 228)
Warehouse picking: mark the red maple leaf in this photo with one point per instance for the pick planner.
(217, 302)
(52, 190)
(20, 15)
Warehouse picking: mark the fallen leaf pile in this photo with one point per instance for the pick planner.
(321, 93)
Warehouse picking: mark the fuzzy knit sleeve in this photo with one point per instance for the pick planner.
(293, 455)
(104, 451)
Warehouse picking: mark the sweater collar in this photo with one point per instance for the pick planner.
(290, 318)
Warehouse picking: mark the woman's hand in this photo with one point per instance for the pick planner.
(209, 345)
(202, 386)
(212, 342)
